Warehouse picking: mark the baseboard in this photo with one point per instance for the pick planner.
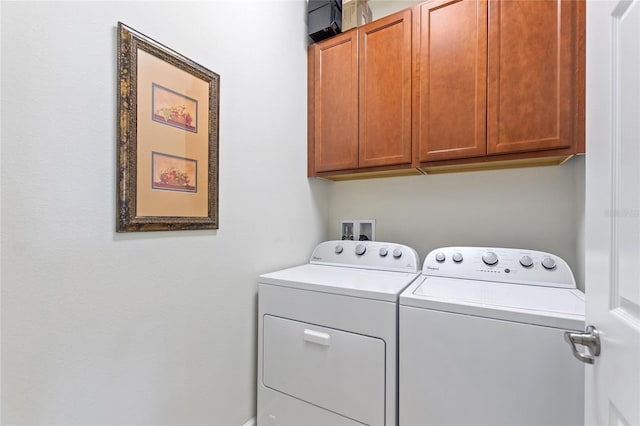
(250, 422)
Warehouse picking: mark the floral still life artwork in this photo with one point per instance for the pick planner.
(174, 173)
(174, 109)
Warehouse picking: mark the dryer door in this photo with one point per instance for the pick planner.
(339, 371)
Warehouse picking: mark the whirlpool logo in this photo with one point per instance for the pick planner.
(431, 268)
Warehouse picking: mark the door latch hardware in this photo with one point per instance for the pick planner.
(590, 339)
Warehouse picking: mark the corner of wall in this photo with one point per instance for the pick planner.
(579, 176)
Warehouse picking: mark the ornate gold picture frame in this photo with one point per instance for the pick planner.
(168, 118)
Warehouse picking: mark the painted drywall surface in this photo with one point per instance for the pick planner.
(144, 328)
(531, 208)
(381, 8)
(580, 210)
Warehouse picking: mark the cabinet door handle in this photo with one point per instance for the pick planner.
(317, 337)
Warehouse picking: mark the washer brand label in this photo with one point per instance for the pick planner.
(431, 268)
(316, 258)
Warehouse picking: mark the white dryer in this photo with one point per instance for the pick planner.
(327, 336)
(482, 340)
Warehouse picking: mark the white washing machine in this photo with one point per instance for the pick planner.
(482, 340)
(327, 335)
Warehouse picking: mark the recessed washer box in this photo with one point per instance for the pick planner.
(358, 230)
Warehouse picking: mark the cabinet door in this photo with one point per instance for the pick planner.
(532, 75)
(450, 42)
(333, 75)
(385, 91)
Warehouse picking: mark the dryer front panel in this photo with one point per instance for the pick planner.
(336, 370)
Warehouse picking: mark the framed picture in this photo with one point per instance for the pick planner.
(167, 138)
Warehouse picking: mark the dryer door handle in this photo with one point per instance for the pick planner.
(317, 337)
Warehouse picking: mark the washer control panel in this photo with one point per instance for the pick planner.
(519, 266)
(367, 254)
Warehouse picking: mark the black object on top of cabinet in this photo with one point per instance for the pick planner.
(324, 18)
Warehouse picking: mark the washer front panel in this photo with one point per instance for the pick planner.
(463, 370)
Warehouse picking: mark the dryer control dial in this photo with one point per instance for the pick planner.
(397, 253)
(383, 252)
(490, 258)
(339, 249)
(440, 257)
(361, 249)
(549, 263)
(457, 257)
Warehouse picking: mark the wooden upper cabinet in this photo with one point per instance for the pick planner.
(534, 74)
(450, 42)
(333, 104)
(449, 85)
(385, 91)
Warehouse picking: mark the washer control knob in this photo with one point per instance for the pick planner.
(360, 249)
(440, 257)
(490, 258)
(549, 263)
(526, 261)
(383, 252)
(339, 249)
(457, 257)
(397, 253)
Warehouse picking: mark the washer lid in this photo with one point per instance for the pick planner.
(365, 283)
(547, 306)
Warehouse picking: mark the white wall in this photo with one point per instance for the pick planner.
(143, 328)
(381, 8)
(536, 208)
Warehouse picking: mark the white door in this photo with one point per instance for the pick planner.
(613, 210)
